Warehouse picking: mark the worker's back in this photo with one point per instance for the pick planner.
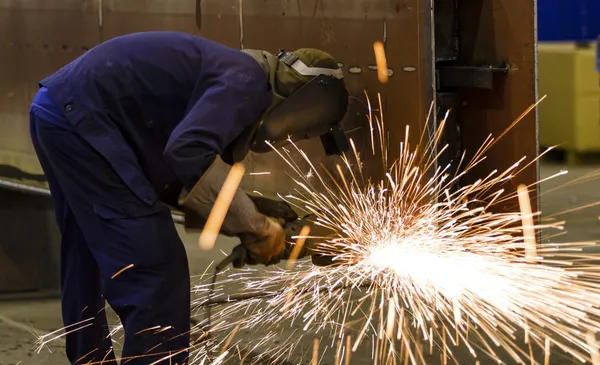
(130, 92)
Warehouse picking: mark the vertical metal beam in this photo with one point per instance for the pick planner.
(427, 55)
(494, 31)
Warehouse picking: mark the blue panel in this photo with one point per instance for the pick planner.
(548, 19)
(568, 20)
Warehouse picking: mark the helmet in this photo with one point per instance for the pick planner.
(309, 100)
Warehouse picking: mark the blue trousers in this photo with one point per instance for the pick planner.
(106, 228)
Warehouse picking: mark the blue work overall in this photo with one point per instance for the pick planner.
(114, 129)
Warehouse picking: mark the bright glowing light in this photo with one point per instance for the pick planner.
(421, 263)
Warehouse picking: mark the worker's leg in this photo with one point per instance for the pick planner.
(83, 305)
(142, 261)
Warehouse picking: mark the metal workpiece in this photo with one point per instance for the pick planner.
(24, 188)
(347, 30)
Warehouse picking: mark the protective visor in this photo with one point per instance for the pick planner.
(316, 109)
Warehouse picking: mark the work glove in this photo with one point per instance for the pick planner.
(264, 247)
(194, 222)
(243, 254)
(263, 238)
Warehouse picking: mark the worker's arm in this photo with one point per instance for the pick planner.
(224, 110)
(263, 238)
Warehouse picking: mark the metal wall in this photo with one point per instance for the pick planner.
(37, 37)
(494, 32)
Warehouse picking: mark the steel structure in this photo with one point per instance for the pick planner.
(477, 57)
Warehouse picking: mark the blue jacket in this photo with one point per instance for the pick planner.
(160, 106)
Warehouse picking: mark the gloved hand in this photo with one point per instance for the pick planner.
(240, 255)
(264, 247)
(262, 241)
(263, 237)
(243, 253)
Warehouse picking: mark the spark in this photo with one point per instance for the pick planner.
(120, 272)
(219, 210)
(527, 220)
(591, 340)
(309, 174)
(301, 239)
(260, 173)
(380, 58)
(419, 261)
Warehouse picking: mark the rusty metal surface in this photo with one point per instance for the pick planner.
(349, 33)
(345, 29)
(446, 30)
(40, 36)
(501, 30)
(36, 38)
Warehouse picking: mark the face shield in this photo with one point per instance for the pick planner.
(315, 109)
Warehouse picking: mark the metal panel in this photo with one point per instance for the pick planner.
(123, 17)
(29, 251)
(491, 31)
(345, 29)
(36, 38)
(34, 46)
(446, 30)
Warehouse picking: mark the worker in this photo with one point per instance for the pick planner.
(150, 118)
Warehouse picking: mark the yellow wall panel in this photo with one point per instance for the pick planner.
(569, 117)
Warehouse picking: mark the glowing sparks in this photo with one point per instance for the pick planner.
(260, 173)
(421, 264)
(421, 260)
(382, 68)
(217, 214)
(593, 344)
(121, 271)
(301, 239)
(527, 221)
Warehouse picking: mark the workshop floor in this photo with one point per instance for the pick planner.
(20, 320)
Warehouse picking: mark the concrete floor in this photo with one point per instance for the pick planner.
(20, 321)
